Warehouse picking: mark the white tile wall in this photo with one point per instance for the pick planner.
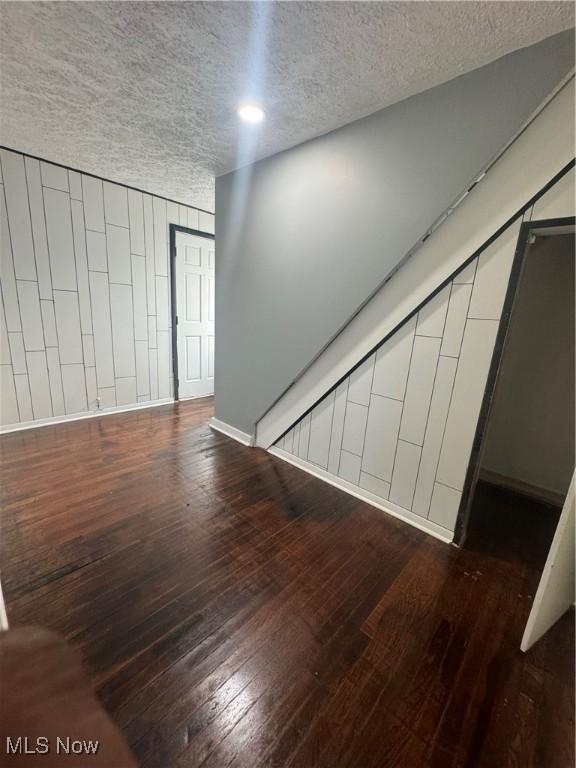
(405, 473)
(361, 382)
(8, 403)
(122, 330)
(17, 352)
(39, 384)
(432, 316)
(115, 204)
(164, 364)
(382, 429)
(54, 176)
(402, 428)
(349, 467)
(557, 202)
(96, 247)
(142, 368)
(100, 293)
(374, 485)
(91, 387)
(467, 274)
(88, 350)
(471, 376)
(55, 381)
(107, 397)
(136, 217)
(29, 301)
(85, 291)
(60, 240)
(456, 319)
(4, 350)
(39, 236)
(68, 326)
(337, 429)
(126, 391)
(444, 506)
(434, 434)
(354, 428)
(393, 362)
(81, 254)
(74, 385)
(139, 297)
(93, 203)
(491, 279)
(118, 246)
(7, 277)
(23, 397)
(75, 182)
(320, 431)
(18, 207)
(419, 389)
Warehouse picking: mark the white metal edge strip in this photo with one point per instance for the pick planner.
(550, 604)
(84, 415)
(391, 509)
(3, 616)
(502, 192)
(230, 431)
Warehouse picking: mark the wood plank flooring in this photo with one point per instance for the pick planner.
(232, 610)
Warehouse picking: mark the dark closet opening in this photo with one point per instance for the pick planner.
(524, 447)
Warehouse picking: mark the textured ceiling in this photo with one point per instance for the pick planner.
(145, 93)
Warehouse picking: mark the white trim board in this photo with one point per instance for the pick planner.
(3, 615)
(52, 420)
(391, 509)
(542, 151)
(555, 594)
(230, 431)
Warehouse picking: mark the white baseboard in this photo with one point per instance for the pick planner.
(196, 397)
(230, 431)
(386, 506)
(84, 415)
(525, 489)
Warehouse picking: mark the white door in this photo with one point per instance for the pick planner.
(555, 593)
(195, 313)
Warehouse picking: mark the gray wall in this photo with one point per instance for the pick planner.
(304, 237)
(530, 436)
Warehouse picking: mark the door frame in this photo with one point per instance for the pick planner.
(174, 229)
(527, 229)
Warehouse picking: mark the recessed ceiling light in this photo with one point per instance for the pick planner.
(250, 113)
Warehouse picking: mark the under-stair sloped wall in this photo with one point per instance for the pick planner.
(515, 181)
(305, 238)
(398, 430)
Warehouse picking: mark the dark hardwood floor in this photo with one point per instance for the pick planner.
(235, 611)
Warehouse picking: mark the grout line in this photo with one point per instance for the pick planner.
(402, 409)
(448, 486)
(443, 434)
(387, 397)
(17, 296)
(368, 412)
(54, 189)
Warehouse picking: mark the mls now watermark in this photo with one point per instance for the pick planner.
(42, 745)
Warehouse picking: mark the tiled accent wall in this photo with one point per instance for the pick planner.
(401, 426)
(85, 319)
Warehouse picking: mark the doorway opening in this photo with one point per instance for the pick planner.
(523, 455)
(192, 297)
